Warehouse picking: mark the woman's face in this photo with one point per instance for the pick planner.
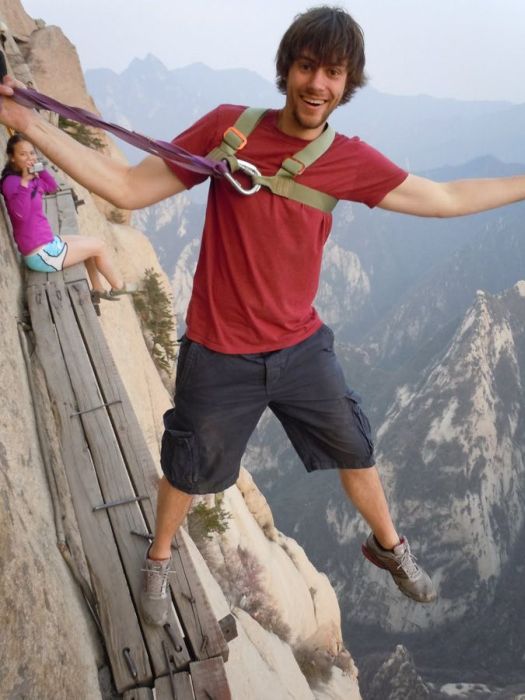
(23, 157)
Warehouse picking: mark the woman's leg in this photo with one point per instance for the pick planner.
(94, 277)
(95, 254)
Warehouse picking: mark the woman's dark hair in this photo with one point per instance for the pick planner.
(331, 37)
(10, 151)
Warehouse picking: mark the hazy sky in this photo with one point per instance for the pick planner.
(467, 49)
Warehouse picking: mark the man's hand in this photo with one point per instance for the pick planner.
(12, 114)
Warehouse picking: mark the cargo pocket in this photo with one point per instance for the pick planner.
(361, 420)
(178, 455)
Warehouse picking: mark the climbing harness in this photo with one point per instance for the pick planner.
(250, 170)
(282, 183)
(222, 161)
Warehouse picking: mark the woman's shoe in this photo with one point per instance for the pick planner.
(98, 294)
(126, 289)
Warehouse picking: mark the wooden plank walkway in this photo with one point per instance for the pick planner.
(107, 462)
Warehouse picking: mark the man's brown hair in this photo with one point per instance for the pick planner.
(330, 36)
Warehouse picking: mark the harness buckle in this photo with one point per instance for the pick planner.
(251, 171)
(238, 134)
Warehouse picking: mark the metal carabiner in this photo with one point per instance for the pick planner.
(250, 170)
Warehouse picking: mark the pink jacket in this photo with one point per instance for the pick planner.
(31, 228)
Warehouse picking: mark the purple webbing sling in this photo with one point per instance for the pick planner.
(27, 97)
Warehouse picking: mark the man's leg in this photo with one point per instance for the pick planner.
(218, 402)
(383, 546)
(172, 507)
(324, 421)
(363, 487)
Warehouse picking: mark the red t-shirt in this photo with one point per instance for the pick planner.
(260, 257)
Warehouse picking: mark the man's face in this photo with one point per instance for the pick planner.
(313, 91)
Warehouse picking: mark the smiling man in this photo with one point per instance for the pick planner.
(254, 339)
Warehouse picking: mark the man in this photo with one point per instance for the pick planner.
(253, 338)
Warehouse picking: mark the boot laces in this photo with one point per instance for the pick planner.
(157, 580)
(408, 564)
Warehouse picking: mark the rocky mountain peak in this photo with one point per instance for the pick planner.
(147, 68)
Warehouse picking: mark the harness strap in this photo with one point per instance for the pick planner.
(282, 183)
(294, 165)
(287, 187)
(28, 97)
(235, 137)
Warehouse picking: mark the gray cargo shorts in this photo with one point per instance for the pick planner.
(220, 398)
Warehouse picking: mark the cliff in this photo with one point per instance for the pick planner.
(50, 646)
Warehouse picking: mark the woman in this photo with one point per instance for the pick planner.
(41, 250)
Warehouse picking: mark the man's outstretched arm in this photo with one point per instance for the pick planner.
(125, 186)
(422, 197)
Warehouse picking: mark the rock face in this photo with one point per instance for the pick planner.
(46, 628)
(457, 436)
(395, 678)
(63, 79)
(49, 645)
(19, 23)
(282, 603)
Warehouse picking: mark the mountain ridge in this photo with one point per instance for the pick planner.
(400, 293)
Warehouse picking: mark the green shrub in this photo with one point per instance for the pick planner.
(81, 133)
(204, 521)
(154, 309)
(115, 216)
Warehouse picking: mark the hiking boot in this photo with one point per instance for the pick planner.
(410, 578)
(155, 593)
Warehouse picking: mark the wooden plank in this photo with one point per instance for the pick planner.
(133, 445)
(67, 213)
(138, 694)
(207, 637)
(114, 480)
(51, 212)
(115, 609)
(33, 278)
(209, 680)
(195, 611)
(228, 625)
(61, 212)
(75, 273)
(183, 687)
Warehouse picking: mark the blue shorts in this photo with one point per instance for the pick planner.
(219, 399)
(50, 258)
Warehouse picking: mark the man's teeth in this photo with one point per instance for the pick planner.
(317, 103)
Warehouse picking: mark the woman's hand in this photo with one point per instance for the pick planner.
(12, 114)
(27, 176)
